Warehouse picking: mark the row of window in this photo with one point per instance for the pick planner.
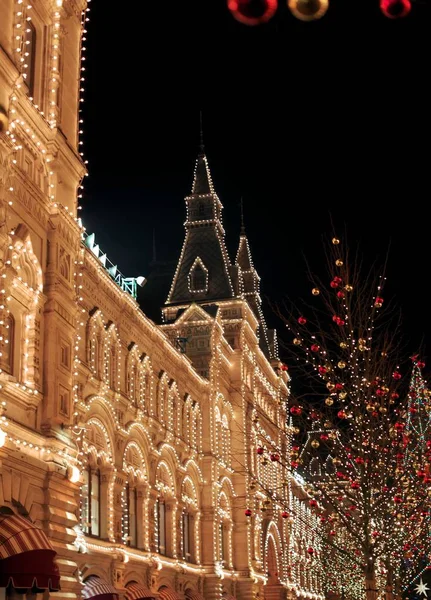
(91, 521)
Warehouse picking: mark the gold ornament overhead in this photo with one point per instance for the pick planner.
(329, 402)
(348, 288)
(315, 291)
(308, 10)
(315, 444)
(335, 241)
(339, 263)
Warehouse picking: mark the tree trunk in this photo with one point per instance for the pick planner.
(371, 592)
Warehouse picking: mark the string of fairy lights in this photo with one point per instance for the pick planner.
(257, 12)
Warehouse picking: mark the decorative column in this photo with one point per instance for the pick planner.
(107, 474)
(143, 521)
(213, 588)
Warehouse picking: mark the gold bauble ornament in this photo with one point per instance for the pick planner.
(327, 424)
(341, 364)
(362, 341)
(297, 341)
(384, 354)
(370, 407)
(343, 345)
(348, 287)
(308, 10)
(342, 395)
(315, 291)
(330, 385)
(383, 409)
(335, 241)
(315, 444)
(339, 263)
(362, 348)
(332, 436)
(329, 402)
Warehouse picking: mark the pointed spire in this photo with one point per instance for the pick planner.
(201, 144)
(242, 218)
(202, 182)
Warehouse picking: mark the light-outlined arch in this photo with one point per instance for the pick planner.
(196, 427)
(165, 480)
(192, 468)
(112, 357)
(162, 401)
(133, 365)
(273, 550)
(134, 461)
(146, 385)
(95, 336)
(101, 408)
(175, 409)
(23, 260)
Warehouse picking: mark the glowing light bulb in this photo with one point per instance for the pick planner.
(252, 12)
(395, 9)
(308, 10)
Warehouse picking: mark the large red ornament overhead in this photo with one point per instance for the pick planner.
(252, 12)
(395, 9)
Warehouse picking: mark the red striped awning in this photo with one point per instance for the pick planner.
(136, 591)
(191, 595)
(27, 558)
(168, 594)
(96, 587)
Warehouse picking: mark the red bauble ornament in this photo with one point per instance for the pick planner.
(421, 364)
(354, 485)
(341, 294)
(395, 9)
(339, 386)
(252, 12)
(260, 450)
(380, 392)
(359, 460)
(313, 503)
(302, 320)
(247, 512)
(334, 284)
(284, 368)
(396, 375)
(295, 410)
(274, 457)
(341, 414)
(395, 396)
(284, 514)
(332, 533)
(399, 426)
(398, 499)
(378, 302)
(322, 370)
(310, 551)
(314, 348)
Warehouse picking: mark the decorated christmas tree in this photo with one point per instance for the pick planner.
(363, 433)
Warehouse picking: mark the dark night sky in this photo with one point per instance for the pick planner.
(302, 120)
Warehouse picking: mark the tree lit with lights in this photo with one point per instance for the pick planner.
(363, 432)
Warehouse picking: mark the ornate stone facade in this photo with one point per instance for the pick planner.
(136, 456)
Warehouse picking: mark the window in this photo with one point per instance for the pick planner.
(64, 401)
(65, 355)
(222, 542)
(198, 279)
(90, 513)
(187, 552)
(30, 57)
(161, 527)
(8, 345)
(132, 523)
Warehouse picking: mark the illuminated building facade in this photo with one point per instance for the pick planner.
(129, 448)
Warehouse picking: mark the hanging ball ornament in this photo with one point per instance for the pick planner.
(329, 401)
(339, 263)
(297, 341)
(315, 444)
(395, 9)
(315, 291)
(252, 12)
(335, 241)
(341, 364)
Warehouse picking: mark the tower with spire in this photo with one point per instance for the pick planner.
(206, 277)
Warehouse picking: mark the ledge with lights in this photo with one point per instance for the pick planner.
(256, 12)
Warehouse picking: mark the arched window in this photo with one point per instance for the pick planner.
(161, 526)
(187, 527)
(132, 520)
(30, 57)
(8, 345)
(90, 511)
(198, 279)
